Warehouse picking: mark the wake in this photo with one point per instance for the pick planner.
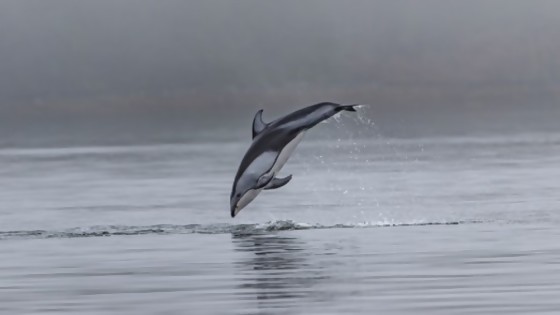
(224, 228)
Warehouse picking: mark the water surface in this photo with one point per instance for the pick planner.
(432, 226)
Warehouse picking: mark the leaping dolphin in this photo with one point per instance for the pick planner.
(273, 143)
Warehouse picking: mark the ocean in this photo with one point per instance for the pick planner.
(368, 225)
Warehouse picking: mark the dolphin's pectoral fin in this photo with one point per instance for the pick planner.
(264, 180)
(278, 182)
(258, 124)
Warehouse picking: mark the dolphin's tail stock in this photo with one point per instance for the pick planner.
(349, 108)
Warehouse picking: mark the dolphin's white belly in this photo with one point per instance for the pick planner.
(286, 153)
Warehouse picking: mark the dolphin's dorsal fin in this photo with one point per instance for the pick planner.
(258, 123)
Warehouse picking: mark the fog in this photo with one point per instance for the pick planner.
(130, 66)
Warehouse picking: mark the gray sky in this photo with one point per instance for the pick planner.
(172, 60)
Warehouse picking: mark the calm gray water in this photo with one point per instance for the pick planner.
(424, 226)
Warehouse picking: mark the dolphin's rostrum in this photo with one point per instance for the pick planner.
(273, 143)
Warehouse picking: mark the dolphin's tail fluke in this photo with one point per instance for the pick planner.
(349, 108)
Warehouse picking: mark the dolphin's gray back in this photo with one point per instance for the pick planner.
(307, 117)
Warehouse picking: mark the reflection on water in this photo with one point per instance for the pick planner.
(275, 271)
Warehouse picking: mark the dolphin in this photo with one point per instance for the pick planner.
(273, 144)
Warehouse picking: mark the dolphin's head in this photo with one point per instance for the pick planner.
(242, 194)
(239, 202)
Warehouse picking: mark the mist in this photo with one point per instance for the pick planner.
(135, 67)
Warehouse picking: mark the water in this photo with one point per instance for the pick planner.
(426, 226)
